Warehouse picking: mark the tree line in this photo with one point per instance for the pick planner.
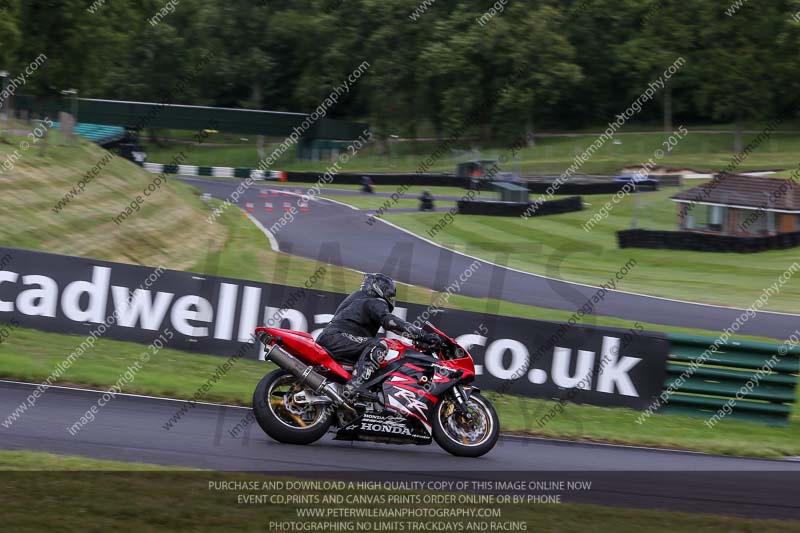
(533, 65)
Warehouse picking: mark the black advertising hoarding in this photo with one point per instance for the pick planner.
(215, 315)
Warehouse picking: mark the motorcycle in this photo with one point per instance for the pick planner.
(418, 394)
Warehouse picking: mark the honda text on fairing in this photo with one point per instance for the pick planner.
(419, 393)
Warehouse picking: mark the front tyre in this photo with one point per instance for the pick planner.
(281, 418)
(462, 437)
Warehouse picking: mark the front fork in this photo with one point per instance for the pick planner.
(461, 397)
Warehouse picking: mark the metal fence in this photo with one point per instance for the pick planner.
(758, 378)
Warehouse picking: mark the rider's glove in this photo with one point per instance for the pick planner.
(429, 339)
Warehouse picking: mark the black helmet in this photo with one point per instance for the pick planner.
(380, 286)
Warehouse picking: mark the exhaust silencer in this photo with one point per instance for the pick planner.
(305, 374)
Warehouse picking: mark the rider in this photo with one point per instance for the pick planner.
(351, 333)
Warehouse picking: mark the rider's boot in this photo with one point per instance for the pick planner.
(368, 362)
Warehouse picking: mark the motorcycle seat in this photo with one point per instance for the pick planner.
(347, 365)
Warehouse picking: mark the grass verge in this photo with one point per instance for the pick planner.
(551, 155)
(161, 231)
(135, 497)
(561, 246)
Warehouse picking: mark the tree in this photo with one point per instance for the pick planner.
(10, 35)
(455, 67)
(80, 47)
(668, 32)
(544, 63)
(735, 60)
(786, 82)
(538, 67)
(393, 85)
(596, 29)
(242, 69)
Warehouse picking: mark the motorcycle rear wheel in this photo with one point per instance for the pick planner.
(466, 438)
(283, 420)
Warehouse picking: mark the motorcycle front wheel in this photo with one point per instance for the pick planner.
(460, 436)
(281, 418)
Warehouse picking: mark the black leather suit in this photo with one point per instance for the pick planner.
(350, 335)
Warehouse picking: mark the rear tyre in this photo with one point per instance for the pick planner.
(282, 419)
(466, 438)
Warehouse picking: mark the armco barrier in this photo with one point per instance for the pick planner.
(535, 186)
(425, 180)
(705, 242)
(712, 384)
(402, 179)
(600, 187)
(217, 172)
(410, 179)
(516, 209)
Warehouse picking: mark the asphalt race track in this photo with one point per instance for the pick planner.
(130, 428)
(338, 234)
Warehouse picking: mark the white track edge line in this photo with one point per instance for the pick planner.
(556, 279)
(354, 208)
(512, 436)
(576, 282)
(273, 242)
(129, 394)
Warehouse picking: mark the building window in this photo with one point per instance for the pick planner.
(688, 222)
(706, 218)
(761, 223)
(716, 217)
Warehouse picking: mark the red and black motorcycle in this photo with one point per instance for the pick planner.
(420, 393)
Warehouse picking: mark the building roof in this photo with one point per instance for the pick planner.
(745, 191)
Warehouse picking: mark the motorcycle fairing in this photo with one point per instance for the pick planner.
(302, 346)
(385, 427)
(415, 387)
(412, 387)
